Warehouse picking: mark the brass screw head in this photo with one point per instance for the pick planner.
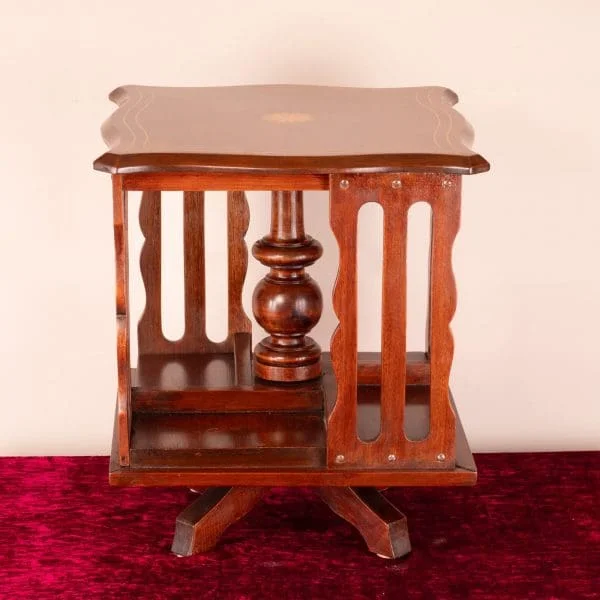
(344, 184)
(441, 456)
(392, 458)
(340, 458)
(397, 184)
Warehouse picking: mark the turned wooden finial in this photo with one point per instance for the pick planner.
(287, 303)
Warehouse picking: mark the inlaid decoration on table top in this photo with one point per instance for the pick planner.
(298, 128)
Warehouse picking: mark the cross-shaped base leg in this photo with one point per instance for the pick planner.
(381, 524)
(201, 524)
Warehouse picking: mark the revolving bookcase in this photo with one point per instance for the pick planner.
(238, 416)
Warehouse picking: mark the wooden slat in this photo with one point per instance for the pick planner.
(446, 221)
(393, 320)
(341, 422)
(238, 220)
(123, 417)
(242, 355)
(194, 338)
(150, 336)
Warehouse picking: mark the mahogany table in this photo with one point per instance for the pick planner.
(233, 418)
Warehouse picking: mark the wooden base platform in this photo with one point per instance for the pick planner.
(193, 426)
(205, 421)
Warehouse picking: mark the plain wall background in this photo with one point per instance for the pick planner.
(527, 363)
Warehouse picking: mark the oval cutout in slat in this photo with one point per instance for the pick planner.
(172, 277)
(418, 256)
(418, 251)
(216, 264)
(369, 245)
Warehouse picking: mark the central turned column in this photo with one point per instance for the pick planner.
(287, 303)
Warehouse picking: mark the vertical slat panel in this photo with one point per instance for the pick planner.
(122, 310)
(194, 340)
(238, 219)
(393, 322)
(446, 221)
(150, 336)
(396, 193)
(341, 425)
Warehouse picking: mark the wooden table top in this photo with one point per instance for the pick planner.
(287, 129)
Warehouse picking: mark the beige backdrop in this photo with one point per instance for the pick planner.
(527, 368)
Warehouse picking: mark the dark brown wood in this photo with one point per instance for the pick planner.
(298, 129)
(287, 303)
(396, 193)
(381, 524)
(252, 399)
(445, 209)
(207, 371)
(201, 524)
(214, 383)
(197, 413)
(191, 182)
(123, 423)
(230, 440)
(417, 368)
(270, 464)
(151, 339)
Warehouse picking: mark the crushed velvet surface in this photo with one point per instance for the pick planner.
(529, 529)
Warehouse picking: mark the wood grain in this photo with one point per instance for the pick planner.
(218, 181)
(396, 193)
(381, 524)
(202, 523)
(123, 422)
(287, 302)
(151, 339)
(273, 467)
(302, 129)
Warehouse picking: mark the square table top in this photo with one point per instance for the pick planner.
(287, 129)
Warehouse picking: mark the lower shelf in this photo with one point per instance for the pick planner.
(270, 449)
(228, 440)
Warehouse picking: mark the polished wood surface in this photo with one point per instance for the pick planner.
(380, 523)
(287, 302)
(198, 413)
(303, 129)
(201, 524)
(226, 441)
(194, 340)
(396, 193)
(183, 181)
(175, 448)
(123, 423)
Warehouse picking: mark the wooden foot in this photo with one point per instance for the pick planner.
(202, 523)
(380, 523)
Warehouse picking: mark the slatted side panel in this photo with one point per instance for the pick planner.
(123, 422)
(396, 193)
(194, 340)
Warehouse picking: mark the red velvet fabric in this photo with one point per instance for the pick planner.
(529, 529)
